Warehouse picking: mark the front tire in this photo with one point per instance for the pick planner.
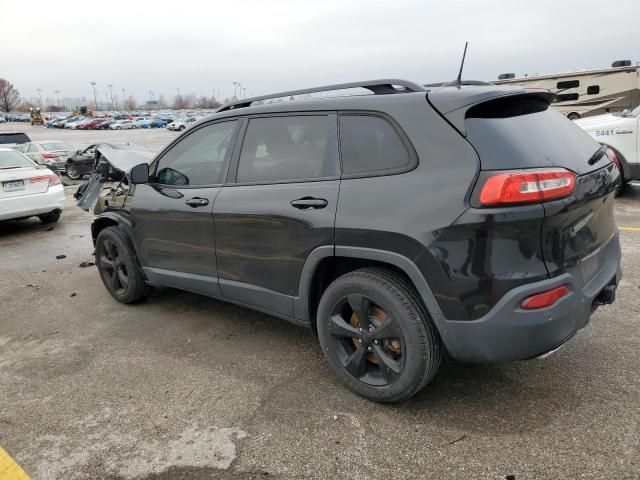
(574, 116)
(119, 269)
(377, 336)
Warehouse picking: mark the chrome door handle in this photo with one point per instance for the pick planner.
(197, 202)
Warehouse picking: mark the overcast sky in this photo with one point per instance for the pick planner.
(280, 44)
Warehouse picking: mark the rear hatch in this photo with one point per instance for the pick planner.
(518, 131)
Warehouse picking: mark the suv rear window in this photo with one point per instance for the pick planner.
(371, 145)
(14, 138)
(521, 131)
(286, 148)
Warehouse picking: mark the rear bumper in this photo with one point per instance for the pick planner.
(31, 205)
(510, 333)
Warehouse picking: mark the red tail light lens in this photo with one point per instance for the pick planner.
(527, 186)
(48, 155)
(52, 179)
(544, 299)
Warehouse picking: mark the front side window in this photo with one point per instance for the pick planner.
(371, 145)
(286, 148)
(198, 159)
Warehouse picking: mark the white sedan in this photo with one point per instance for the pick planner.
(28, 190)
(122, 125)
(621, 133)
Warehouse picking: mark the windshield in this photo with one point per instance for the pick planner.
(54, 146)
(12, 159)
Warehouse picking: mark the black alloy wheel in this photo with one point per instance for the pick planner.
(368, 341)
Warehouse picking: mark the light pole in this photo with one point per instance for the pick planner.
(240, 89)
(39, 90)
(57, 92)
(111, 94)
(124, 100)
(244, 92)
(95, 96)
(235, 90)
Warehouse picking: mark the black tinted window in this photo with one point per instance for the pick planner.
(566, 97)
(370, 144)
(199, 158)
(593, 89)
(13, 138)
(287, 148)
(542, 138)
(568, 84)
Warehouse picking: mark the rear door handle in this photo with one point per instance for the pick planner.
(307, 203)
(197, 202)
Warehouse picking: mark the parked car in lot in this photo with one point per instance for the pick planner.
(397, 225)
(73, 124)
(13, 139)
(620, 133)
(50, 153)
(122, 125)
(82, 162)
(157, 123)
(142, 123)
(27, 190)
(180, 125)
(91, 124)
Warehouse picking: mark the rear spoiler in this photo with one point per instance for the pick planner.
(455, 104)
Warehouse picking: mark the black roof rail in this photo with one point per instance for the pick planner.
(378, 87)
(456, 84)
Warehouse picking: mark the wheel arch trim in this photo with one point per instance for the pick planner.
(301, 303)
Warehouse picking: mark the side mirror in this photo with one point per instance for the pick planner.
(140, 174)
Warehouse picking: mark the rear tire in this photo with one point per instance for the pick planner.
(574, 116)
(395, 352)
(118, 266)
(51, 217)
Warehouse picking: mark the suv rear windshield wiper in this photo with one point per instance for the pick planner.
(598, 155)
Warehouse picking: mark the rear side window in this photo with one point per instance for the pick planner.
(371, 145)
(286, 148)
(522, 131)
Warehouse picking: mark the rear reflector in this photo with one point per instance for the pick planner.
(544, 299)
(527, 186)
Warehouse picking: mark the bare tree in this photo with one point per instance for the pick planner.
(9, 96)
(131, 103)
(179, 103)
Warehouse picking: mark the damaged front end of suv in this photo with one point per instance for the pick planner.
(109, 187)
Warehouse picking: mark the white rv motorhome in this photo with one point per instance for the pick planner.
(588, 92)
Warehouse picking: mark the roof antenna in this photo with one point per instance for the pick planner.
(458, 81)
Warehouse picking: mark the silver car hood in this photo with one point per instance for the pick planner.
(125, 160)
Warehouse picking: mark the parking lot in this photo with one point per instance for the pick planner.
(183, 386)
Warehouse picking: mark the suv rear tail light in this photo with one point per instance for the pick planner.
(53, 179)
(544, 299)
(48, 155)
(527, 186)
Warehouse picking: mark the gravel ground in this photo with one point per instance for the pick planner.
(185, 387)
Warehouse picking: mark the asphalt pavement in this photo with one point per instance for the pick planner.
(185, 387)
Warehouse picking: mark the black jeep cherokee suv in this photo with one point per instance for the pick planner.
(400, 225)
